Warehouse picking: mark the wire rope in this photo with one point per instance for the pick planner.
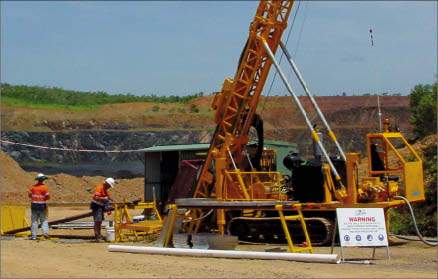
(281, 57)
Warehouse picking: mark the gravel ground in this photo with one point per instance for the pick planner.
(84, 259)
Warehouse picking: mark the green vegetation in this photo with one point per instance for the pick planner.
(56, 98)
(26, 104)
(425, 212)
(194, 108)
(424, 109)
(423, 99)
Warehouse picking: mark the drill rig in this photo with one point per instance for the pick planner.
(230, 173)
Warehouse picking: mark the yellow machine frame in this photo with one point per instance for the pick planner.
(12, 218)
(236, 104)
(124, 227)
(280, 208)
(221, 176)
(410, 169)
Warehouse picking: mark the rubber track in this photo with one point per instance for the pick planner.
(326, 223)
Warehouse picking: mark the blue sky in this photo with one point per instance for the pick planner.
(184, 47)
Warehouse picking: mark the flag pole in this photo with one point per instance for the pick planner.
(378, 99)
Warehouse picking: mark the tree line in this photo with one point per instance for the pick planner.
(59, 96)
(423, 106)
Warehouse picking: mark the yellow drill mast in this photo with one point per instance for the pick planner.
(237, 102)
(223, 174)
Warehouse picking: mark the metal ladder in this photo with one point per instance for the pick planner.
(299, 217)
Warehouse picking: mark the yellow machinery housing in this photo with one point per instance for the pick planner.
(124, 227)
(224, 176)
(13, 218)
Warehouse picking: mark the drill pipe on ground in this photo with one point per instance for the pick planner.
(320, 258)
(59, 221)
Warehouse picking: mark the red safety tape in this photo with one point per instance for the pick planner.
(68, 149)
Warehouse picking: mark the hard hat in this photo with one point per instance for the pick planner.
(41, 177)
(110, 181)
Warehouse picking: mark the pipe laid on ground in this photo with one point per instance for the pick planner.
(318, 258)
(55, 222)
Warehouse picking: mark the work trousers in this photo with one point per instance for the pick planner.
(41, 215)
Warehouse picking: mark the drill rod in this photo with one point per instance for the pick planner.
(303, 112)
(312, 100)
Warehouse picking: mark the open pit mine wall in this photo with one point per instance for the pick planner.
(122, 165)
(130, 164)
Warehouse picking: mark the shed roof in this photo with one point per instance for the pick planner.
(280, 143)
(176, 147)
(202, 146)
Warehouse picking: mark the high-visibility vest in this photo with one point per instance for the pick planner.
(100, 192)
(39, 193)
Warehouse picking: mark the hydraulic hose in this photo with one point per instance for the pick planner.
(200, 218)
(411, 238)
(425, 241)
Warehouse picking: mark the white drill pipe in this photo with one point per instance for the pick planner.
(317, 258)
(303, 112)
(312, 100)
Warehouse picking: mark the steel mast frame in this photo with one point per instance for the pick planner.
(234, 121)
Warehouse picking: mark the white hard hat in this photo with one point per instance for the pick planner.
(40, 177)
(110, 181)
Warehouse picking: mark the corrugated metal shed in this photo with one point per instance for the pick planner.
(162, 163)
(161, 166)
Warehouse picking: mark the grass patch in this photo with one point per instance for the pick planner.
(13, 102)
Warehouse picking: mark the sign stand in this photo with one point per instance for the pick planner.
(363, 227)
(387, 252)
(335, 230)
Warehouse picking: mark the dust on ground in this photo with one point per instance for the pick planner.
(54, 259)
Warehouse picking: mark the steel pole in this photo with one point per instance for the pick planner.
(303, 112)
(312, 100)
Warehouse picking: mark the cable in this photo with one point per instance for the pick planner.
(301, 31)
(281, 57)
(411, 238)
(200, 218)
(69, 149)
(425, 241)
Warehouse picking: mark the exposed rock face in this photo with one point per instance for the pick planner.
(130, 164)
(350, 117)
(124, 164)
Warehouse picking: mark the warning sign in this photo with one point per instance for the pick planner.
(362, 227)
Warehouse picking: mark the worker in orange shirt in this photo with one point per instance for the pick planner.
(38, 194)
(100, 198)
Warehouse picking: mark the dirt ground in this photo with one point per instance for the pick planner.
(15, 184)
(62, 258)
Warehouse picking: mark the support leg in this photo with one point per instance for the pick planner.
(335, 229)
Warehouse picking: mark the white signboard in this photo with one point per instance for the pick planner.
(362, 227)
